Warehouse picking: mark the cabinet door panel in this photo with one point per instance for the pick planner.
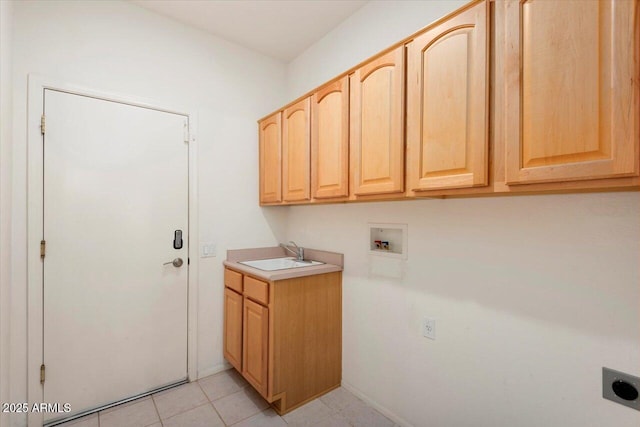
(447, 104)
(233, 328)
(270, 160)
(572, 90)
(256, 345)
(330, 140)
(377, 128)
(296, 146)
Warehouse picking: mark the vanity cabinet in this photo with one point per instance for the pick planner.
(571, 90)
(448, 102)
(377, 125)
(255, 340)
(233, 328)
(285, 336)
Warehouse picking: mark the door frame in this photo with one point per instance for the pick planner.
(35, 192)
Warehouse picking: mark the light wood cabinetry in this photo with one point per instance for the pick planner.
(233, 280)
(285, 336)
(256, 289)
(330, 140)
(307, 341)
(270, 159)
(447, 103)
(255, 339)
(501, 97)
(296, 147)
(232, 339)
(571, 90)
(377, 125)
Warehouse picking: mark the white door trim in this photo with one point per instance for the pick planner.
(35, 106)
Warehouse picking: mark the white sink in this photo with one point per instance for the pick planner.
(273, 264)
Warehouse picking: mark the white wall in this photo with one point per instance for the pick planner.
(532, 294)
(6, 11)
(375, 26)
(120, 48)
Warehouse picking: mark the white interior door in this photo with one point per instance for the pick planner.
(115, 191)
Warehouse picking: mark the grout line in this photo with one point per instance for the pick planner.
(211, 402)
(240, 389)
(205, 394)
(183, 412)
(248, 416)
(251, 416)
(155, 406)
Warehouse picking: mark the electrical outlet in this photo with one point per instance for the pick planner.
(208, 250)
(429, 328)
(621, 388)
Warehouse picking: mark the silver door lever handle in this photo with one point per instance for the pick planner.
(176, 262)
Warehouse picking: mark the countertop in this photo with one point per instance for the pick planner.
(332, 262)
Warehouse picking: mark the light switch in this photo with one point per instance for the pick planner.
(429, 328)
(208, 250)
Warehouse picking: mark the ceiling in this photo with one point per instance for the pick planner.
(281, 29)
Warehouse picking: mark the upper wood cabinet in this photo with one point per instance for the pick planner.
(447, 103)
(330, 140)
(296, 146)
(270, 159)
(571, 88)
(504, 96)
(377, 125)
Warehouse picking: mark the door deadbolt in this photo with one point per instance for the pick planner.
(177, 239)
(176, 262)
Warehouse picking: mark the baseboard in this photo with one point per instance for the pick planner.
(384, 411)
(213, 370)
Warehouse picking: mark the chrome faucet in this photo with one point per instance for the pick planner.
(299, 252)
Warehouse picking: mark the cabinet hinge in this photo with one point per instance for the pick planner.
(186, 131)
(43, 248)
(42, 124)
(42, 370)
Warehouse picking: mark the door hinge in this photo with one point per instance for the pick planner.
(42, 369)
(186, 131)
(43, 248)
(42, 124)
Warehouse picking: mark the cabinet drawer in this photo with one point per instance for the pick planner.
(257, 290)
(233, 280)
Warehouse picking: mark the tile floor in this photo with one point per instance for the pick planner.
(226, 399)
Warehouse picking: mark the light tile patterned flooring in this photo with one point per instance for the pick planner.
(226, 399)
